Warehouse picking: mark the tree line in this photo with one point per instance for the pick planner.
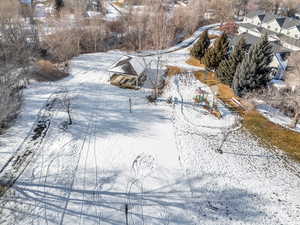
(248, 72)
(243, 69)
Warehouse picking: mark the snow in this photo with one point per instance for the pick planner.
(113, 12)
(278, 83)
(138, 64)
(159, 161)
(275, 116)
(93, 13)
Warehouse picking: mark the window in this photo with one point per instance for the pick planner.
(288, 33)
(268, 26)
(296, 35)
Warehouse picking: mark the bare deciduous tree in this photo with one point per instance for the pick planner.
(10, 96)
(293, 81)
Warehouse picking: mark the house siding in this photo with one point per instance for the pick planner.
(250, 31)
(255, 20)
(293, 33)
(290, 46)
(272, 26)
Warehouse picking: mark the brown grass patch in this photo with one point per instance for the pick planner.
(194, 62)
(3, 189)
(119, 4)
(47, 71)
(213, 36)
(269, 133)
(273, 134)
(174, 70)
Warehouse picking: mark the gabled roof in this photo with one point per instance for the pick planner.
(251, 39)
(261, 17)
(268, 17)
(297, 27)
(291, 22)
(259, 13)
(131, 65)
(280, 21)
(291, 41)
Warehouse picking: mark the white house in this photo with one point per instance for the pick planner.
(274, 24)
(285, 29)
(255, 18)
(291, 28)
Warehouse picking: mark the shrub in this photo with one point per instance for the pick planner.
(10, 97)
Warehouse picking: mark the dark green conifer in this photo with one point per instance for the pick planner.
(201, 46)
(217, 53)
(227, 67)
(254, 71)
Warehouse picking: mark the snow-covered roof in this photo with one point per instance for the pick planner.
(132, 65)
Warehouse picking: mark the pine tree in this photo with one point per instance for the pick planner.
(201, 46)
(59, 4)
(227, 67)
(254, 71)
(217, 53)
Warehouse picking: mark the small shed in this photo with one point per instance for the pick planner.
(128, 72)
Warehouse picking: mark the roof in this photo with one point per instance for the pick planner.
(251, 39)
(268, 17)
(291, 22)
(249, 26)
(271, 17)
(280, 20)
(252, 14)
(132, 65)
(291, 41)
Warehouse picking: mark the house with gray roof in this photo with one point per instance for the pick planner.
(284, 29)
(255, 17)
(128, 72)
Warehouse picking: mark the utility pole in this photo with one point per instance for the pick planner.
(130, 105)
(126, 213)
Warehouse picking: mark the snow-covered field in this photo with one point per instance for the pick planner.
(158, 163)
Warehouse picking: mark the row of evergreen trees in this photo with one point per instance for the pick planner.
(244, 70)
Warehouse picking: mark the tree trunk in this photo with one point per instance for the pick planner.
(295, 119)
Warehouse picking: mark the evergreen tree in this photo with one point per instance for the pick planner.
(59, 4)
(227, 67)
(201, 46)
(254, 71)
(217, 53)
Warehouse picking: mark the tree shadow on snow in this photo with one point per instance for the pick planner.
(184, 201)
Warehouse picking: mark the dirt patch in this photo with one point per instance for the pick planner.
(119, 4)
(213, 36)
(195, 62)
(47, 71)
(174, 70)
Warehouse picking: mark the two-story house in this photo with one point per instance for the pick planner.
(284, 29)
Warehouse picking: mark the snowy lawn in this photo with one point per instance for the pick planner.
(159, 162)
(156, 165)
